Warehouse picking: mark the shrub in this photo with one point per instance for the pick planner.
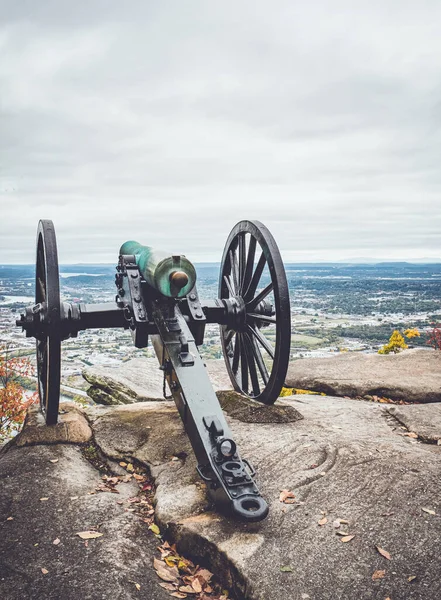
(395, 344)
(13, 402)
(435, 337)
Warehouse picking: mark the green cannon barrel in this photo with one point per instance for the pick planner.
(171, 275)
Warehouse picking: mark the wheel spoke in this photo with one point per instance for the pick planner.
(234, 271)
(262, 339)
(231, 333)
(243, 365)
(229, 286)
(262, 318)
(261, 296)
(252, 367)
(259, 359)
(256, 277)
(236, 356)
(242, 261)
(250, 264)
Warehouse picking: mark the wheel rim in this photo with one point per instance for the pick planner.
(47, 300)
(257, 348)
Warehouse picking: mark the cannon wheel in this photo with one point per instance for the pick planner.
(257, 348)
(47, 300)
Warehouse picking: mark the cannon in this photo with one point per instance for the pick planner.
(157, 297)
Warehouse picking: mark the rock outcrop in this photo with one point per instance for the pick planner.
(139, 380)
(365, 521)
(354, 471)
(412, 376)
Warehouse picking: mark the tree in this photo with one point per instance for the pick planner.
(435, 337)
(395, 344)
(13, 402)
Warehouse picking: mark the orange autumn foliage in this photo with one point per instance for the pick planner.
(13, 402)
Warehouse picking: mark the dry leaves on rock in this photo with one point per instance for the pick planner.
(429, 511)
(184, 578)
(347, 538)
(287, 497)
(378, 575)
(44, 571)
(383, 552)
(322, 521)
(286, 569)
(89, 535)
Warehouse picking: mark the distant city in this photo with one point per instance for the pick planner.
(334, 308)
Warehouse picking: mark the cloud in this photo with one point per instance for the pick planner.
(169, 122)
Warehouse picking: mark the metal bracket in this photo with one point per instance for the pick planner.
(185, 356)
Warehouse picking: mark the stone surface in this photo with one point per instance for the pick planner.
(413, 375)
(345, 460)
(422, 419)
(104, 568)
(72, 427)
(140, 380)
(250, 411)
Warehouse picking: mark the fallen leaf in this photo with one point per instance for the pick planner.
(178, 595)
(44, 571)
(342, 533)
(165, 575)
(74, 497)
(130, 467)
(344, 522)
(429, 511)
(205, 574)
(287, 497)
(187, 589)
(384, 553)
(123, 464)
(89, 535)
(43, 499)
(10, 519)
(56, 541)
(411, 434)
(411, 578)
(347, 538)
(157, 564)
(138, 587)
(378, 575)
(286, 569)
(323, 521)
(153, 527)
(196, 585)
(167, 586)
(54, 460)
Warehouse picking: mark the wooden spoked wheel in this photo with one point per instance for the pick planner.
(47, 307)
(256, 345)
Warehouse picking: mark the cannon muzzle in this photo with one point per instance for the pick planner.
(171, 275)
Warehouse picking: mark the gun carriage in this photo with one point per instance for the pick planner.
(157, 297)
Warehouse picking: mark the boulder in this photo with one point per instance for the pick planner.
(412, 375)
(139, 380)
(72, 427)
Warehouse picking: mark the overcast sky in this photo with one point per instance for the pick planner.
(169, 121)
